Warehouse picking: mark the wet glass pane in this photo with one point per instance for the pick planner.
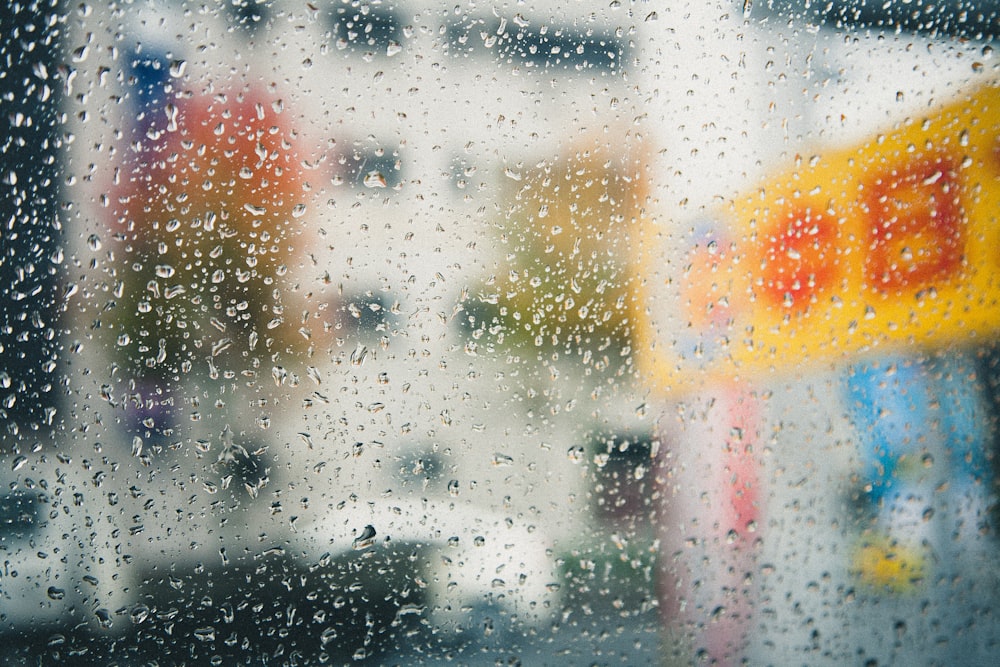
(516, 333)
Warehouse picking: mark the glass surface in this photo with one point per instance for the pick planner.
(539, 333)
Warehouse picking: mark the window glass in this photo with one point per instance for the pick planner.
(405, 332)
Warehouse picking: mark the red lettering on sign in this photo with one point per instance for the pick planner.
(799, 256)
(916, 225)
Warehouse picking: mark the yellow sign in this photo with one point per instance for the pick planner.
(893, 242)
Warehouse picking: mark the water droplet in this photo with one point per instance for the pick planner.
(375, 179)
(221, 346)
(171, 112)
(205, 634)
(502, 460)
(177, 68)
(453, 488)
(104, 618)
(19, 462)
(174, 290)
(55, 593)
(139, 613)
(365, 539)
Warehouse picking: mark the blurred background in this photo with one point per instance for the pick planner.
(509, 333)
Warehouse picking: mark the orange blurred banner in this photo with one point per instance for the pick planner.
(889, 243)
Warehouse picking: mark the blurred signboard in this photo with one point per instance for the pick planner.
(889, 243)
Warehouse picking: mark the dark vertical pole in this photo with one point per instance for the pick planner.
(29, 230)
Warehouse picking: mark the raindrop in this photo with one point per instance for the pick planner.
(177, 68)
(104, 618)
(221, 346)
(206, 634)
(365, 539)
(139, 613)
(375, 179)
(502, 460)
(359, 355)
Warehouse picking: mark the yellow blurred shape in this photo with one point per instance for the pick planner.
(852, 251)
(886, 565)
(569, 234)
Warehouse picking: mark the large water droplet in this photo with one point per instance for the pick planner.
(375, 179)
(365, 539)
